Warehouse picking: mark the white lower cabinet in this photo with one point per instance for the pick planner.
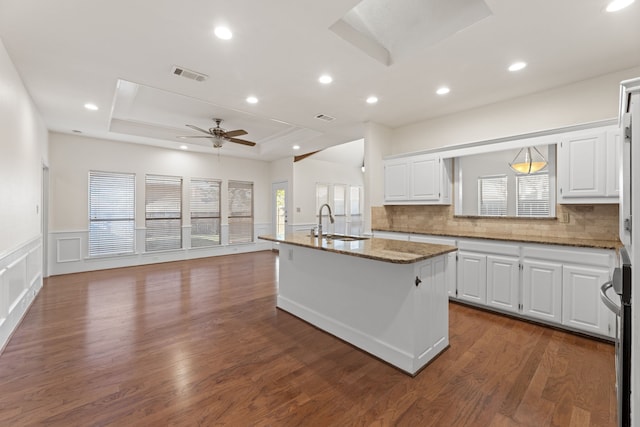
(581, 305)
(503, 279)
(472, 277)
(542, 290)
(451, 262)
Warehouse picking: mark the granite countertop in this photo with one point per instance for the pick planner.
(546, 240)
(393, 251)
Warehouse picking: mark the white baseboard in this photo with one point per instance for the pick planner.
(72, 255)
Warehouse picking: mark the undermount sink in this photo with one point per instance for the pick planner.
(343, 237)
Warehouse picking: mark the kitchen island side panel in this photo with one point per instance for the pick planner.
(373, 305)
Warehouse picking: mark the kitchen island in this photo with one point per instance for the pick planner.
(386, 297)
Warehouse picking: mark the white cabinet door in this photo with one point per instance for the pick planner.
(396, 180)
(542, 290)
(424, 178)
(472, 277)
(581, 304)
(451, 264)
(503, 282)
(432, 310)
(581, 166)
(614, 157)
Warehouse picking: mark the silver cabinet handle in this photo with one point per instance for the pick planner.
(611, 305)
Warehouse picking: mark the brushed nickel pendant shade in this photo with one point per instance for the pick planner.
(528, 160)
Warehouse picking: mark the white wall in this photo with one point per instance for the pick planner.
(582, 102)
(72, 157)
(23, 151)
(308, 172)
(377, 145)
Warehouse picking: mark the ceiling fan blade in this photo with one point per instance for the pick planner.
(194, 136)
(242, 141)
(234, 133)
(198, 129)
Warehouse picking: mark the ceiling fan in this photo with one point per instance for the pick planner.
(219, 135)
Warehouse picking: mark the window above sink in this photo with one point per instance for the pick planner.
(486, 186)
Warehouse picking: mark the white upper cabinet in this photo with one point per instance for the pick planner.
(425, 178)
(587, 167)
(420, 179)
(396, 180)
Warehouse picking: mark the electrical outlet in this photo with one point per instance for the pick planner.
(564, 217)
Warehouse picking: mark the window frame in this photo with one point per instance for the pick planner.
(130, 219)
(505, 195)
(230, 216)
(194, 218)
(541, 201)
(178, 219)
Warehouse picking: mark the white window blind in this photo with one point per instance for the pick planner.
(354, 200)
(111, 213)
(339, 197)
(533, 195)
(322, 195)
(240, 212)
(163, 213)
(492, 195)
(205, 212)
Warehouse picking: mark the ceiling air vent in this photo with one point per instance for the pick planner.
(189, 74)
(325, 117)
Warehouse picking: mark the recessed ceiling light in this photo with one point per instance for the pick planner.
(372, 99)
(90, 106)
(184, 147)
(296, 147)
(517, 66)
(325, 79)
(617, 5)
(252, 100)
(223, 33)
(443, 90)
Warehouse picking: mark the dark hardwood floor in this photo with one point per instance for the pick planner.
(201, 343)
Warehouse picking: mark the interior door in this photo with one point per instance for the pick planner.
(279, 204)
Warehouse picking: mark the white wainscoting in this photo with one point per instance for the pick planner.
(20, 282)
(61, 255)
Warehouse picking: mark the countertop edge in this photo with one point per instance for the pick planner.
(417, 258)
(597, 244)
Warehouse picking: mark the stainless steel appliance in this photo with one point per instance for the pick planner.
(621, 285)
(624, 283)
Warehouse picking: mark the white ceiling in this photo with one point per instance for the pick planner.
(69, 52)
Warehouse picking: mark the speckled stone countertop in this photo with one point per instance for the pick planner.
(546, 240)
(393, 251)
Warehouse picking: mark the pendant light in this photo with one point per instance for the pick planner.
(528, 161)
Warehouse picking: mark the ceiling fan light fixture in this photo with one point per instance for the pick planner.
(528, 162)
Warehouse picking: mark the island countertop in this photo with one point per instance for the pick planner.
(393, 251)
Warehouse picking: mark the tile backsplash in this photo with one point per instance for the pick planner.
(591, 222)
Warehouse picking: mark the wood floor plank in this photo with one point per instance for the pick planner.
(200, 342)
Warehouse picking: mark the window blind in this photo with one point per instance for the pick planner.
(339, 198)
(533, 195)
(492, 196)
(322, 195)
(354, 200)
(163, 213)
(205, 212)
(240, 214)
(111, 213)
